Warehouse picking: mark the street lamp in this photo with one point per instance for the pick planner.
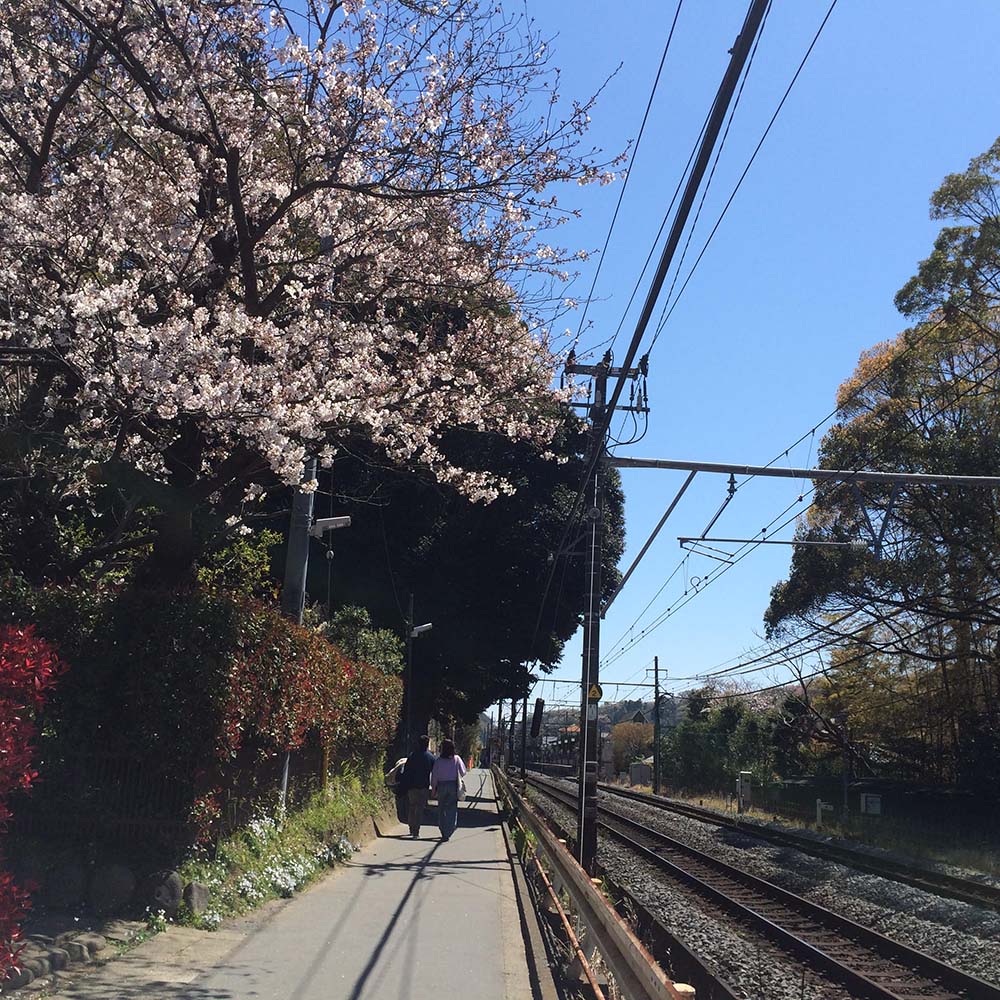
(322, 525)
(412, 631)
(302, 526)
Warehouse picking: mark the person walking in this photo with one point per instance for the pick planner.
(416, 781)
(447, 772)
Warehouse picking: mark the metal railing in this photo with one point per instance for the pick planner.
(635, 971)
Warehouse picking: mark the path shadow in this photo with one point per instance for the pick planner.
(420, 867)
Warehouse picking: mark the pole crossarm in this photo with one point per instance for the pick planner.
(843, 475)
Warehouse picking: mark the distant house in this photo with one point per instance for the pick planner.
(569, 736)
(639, 717)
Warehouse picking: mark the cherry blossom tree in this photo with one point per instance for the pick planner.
(236, 234)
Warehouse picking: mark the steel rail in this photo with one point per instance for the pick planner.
(850, 971)
(676, 955)
(938, 883)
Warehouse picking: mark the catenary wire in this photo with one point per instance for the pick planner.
(912, 345)
(714, 124)
(665, 315)
(628, 175)
(748, 547)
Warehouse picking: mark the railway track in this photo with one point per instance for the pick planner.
(939, 883)
(848, 954)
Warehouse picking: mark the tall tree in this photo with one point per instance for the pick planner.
(917, 610)
(477, 571)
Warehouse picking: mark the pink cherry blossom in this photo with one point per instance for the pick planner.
(243, 233)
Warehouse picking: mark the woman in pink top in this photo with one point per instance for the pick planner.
(448, 770)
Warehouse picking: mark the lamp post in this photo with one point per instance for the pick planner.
(301, 528)
(412, 631)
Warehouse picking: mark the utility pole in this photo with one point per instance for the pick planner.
(293, 594)
(656, 725)
(510, 732)
(524, 735)
(601, 414)
(301, 528)
(408, 687)
(846, 764)
(586, 838)
(593, 535)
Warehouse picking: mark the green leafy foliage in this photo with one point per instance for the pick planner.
(242, 567)
(917, 670)
(207, 690)
(267, 859)
(477, 571)
(631, 741)
(350, 629)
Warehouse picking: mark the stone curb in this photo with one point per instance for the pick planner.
(44, 956)
(55, 958)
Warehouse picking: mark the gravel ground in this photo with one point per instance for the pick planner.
(755, 969)
(963, 935)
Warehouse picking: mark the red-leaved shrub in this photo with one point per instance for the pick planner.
(28, 669)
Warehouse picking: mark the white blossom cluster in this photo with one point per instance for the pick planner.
(242, 234)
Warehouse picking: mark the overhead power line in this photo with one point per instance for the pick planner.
(623, 644)
(602, 421)
(628, 175)
(669, 307)
(739, 553)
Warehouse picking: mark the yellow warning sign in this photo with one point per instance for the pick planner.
(595, 693)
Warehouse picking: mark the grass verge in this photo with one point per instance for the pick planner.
(275, 856)
(951, 846)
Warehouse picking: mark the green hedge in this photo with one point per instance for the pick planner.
(205, 690)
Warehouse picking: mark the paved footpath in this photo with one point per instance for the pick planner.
(403, 920)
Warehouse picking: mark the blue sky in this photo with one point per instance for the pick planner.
(800, 278)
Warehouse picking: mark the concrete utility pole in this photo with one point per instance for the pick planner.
(656, 725)
(510, 732)
(602, 412)
(524, 736)
(293, 594)
(408, 686)
(586, 834)
(412, 631)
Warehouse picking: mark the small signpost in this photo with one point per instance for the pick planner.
(822, 807)
(744, 782)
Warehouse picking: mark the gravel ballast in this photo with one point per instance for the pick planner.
(754, 968)
(961, 934)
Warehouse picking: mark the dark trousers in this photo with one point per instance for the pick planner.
(416, 802)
